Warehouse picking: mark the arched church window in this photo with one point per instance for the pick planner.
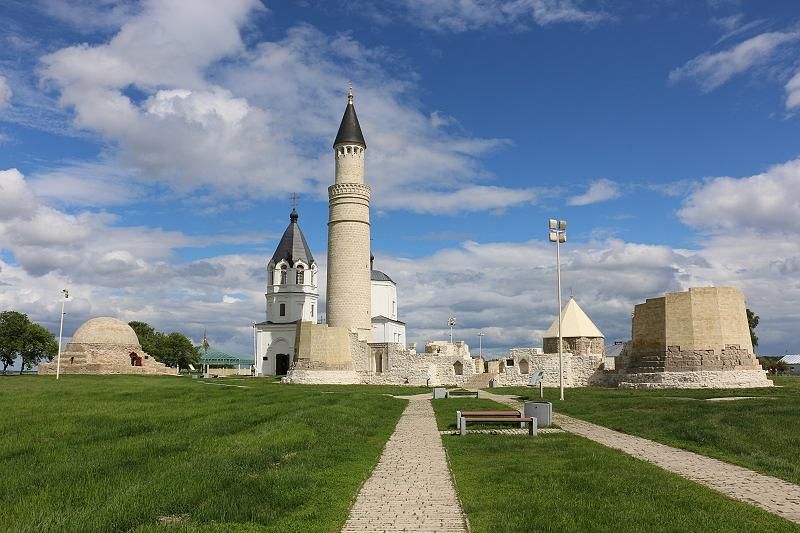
(284, 274)
(299, 279)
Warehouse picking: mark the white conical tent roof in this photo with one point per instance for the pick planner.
(575, 323)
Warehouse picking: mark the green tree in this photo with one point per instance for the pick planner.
(21, 338)
(173, 349)
(180, 350)
(752, 321)
(12, 330)
(37, 344)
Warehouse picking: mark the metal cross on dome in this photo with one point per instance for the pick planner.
(293, 198)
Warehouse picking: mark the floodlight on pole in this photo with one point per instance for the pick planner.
(558, 234)
(451, 322)
(65, 293)
(480, 344)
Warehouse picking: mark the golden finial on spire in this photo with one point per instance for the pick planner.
(350, 94)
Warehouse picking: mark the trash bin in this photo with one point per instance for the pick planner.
(542, 411)
(492, 384)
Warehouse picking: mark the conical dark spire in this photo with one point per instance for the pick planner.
(293, 246)
(349, 129)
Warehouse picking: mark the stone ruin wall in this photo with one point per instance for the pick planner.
(408, 367)
(579, 370)
(575, 345)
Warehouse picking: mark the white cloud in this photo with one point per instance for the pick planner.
(465, 15)
(599, 191)
(5, 93)
(793, 92)
(263, 124)
(89, 15)
(712, 70)
(767, 203)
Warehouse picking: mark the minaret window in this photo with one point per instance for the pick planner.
(312, 310)
(299, 279)
(283, 310)
(284, 274)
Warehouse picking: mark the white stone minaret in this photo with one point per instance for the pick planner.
(348, 300)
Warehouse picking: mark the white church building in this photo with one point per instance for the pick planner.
(292, 294)
(385, 325)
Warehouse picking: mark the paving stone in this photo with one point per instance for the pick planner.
(410, 488)
(769, 493)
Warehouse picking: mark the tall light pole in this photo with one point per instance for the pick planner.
(451, 322)
(255, 347)
(65, 292)
(480, 344)
(558, 234)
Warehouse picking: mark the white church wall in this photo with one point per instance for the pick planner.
(384, 299)
(271, 340)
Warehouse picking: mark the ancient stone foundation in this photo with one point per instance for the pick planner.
(698, 338)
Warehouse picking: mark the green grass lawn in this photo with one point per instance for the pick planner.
(760, 434)
(118, 453)
(564, 483)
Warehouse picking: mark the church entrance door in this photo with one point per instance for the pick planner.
(281, 364)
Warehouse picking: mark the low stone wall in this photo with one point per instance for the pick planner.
(579, 370)
(404, 367)
(711, 379)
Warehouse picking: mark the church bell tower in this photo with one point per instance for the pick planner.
(348, 299)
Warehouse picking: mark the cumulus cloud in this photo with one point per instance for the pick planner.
(465, 15)
(768, 202)
(5, 93)
(710, 70)
(262, 125)
(793, 92)
(599, 191)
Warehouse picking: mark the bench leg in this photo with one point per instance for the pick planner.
(532, 427)
(462, 426)
(458, 419)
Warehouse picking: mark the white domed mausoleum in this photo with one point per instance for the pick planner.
(105, 345)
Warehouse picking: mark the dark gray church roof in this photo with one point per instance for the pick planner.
(293, 246)
(349, 129)
(377, 275)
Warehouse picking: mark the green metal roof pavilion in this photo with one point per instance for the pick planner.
(214, 357)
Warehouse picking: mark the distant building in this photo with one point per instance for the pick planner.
(793, 360)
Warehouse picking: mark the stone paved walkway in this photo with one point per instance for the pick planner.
(772, 494)
(411, 488)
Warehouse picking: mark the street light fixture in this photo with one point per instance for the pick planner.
(558, 234)
(451, 322)
(65, 292)
(480, 344)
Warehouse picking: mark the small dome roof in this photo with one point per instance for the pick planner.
(105, 330)
(377, 275)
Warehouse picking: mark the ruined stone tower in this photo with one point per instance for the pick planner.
(348, 299)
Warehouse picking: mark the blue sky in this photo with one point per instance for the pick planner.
(148, 150)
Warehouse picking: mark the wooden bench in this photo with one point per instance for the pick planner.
(489, 414)
(531, 421)
(460, 394)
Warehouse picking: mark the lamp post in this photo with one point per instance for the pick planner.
(558, 234)
(255, 347)
(480, 344)
(65, 292)
(451, 322)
